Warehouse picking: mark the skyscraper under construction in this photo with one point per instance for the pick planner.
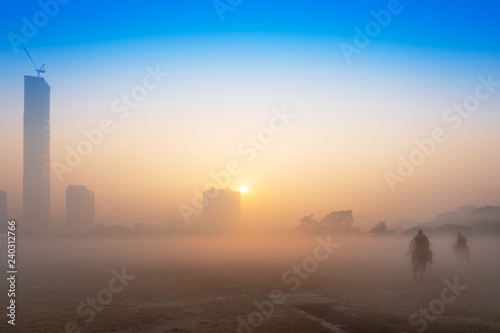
(36, 176)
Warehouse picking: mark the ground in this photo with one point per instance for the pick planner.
(183, 287)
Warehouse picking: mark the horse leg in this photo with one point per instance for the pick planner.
(422, 272)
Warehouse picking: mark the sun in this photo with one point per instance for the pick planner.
(244, 189)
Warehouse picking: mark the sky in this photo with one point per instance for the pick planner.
(360, 83)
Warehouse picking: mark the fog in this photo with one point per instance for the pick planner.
(274, 249)
(212, 284)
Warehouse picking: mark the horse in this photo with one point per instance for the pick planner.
(419, 259)
(461, 252)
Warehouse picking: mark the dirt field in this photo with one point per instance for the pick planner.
(249, 285)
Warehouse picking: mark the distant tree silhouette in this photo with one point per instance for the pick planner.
(452, 229)
(489, 211)
(308, 224)
(335, 222)
(140, 228)
(341, 220)
(465, 209)
(308, 221)
(486, 227)
(380, 229)
(413, 230)
(101, 230)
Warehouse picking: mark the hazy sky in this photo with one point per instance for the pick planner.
(354, 114)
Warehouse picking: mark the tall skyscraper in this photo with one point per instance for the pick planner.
(221, 210)
(3, 207)
(36, 178)
(80, 209)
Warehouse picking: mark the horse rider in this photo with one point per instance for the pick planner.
(422, 243)
(411, 248)
(461, 246)
(461, 241)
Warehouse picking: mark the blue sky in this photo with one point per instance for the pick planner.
(464, 25)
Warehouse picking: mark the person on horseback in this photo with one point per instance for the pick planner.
(422, 244)
(411, 248)
(461, 241)
(461, 248)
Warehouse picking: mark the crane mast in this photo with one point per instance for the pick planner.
(39, 70)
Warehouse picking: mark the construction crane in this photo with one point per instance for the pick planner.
(39, 70)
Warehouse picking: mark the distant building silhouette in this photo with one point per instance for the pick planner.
(3, 207)
(36, 177)
(221, 210)
(80, 209)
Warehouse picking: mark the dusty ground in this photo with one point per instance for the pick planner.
(364, 286)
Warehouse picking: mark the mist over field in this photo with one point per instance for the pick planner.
(252, 283)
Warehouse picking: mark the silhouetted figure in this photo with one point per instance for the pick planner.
(411, 247)
(461, 250)
(461, 241)
(421, 254)
(422, 244)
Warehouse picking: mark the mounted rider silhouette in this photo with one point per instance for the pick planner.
(422, 244)
(461, 241)
(461, 247)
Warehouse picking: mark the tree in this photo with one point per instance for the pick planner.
(139, 228)
(308, 224)
(308, 221)
(380, 229)
(339, 220)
